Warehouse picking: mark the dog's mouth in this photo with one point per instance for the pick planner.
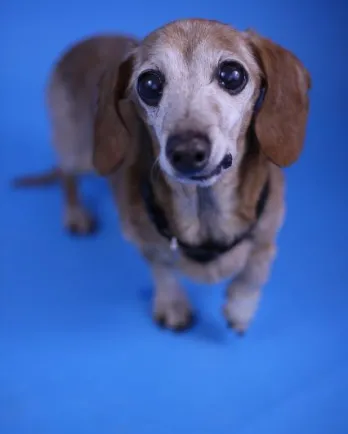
(225, 164)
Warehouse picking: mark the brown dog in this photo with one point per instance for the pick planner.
(191, 125)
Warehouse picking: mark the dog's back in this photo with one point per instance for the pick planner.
(72, 93)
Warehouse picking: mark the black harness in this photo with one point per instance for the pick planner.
(208, 250)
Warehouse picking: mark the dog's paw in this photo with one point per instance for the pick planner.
(174, 314)
(240, 309)
(77, 221)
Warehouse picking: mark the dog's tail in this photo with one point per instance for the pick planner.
(42, 179)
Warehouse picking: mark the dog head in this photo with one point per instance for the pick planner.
(197, 86)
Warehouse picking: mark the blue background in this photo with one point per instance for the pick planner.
(78, 350)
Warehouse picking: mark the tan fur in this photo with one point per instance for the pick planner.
(100, 120)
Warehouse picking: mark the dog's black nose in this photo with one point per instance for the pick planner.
(188, 152)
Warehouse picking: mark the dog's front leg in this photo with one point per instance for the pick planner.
(171, 307)
(244, 292)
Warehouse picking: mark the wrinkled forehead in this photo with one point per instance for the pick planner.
(186, 43)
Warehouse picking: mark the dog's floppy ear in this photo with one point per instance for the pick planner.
(112, 117)
(280, 124)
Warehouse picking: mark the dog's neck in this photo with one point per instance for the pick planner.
(199, 213)
(219, 212)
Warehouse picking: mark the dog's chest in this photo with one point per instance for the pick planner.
(213, 217)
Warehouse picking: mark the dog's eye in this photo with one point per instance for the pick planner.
(232, 76)
(150, 87)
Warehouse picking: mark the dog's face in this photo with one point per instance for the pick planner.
(195, 84)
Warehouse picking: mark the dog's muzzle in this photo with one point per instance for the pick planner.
(188, 153)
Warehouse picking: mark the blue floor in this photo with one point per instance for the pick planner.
(78, 351)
